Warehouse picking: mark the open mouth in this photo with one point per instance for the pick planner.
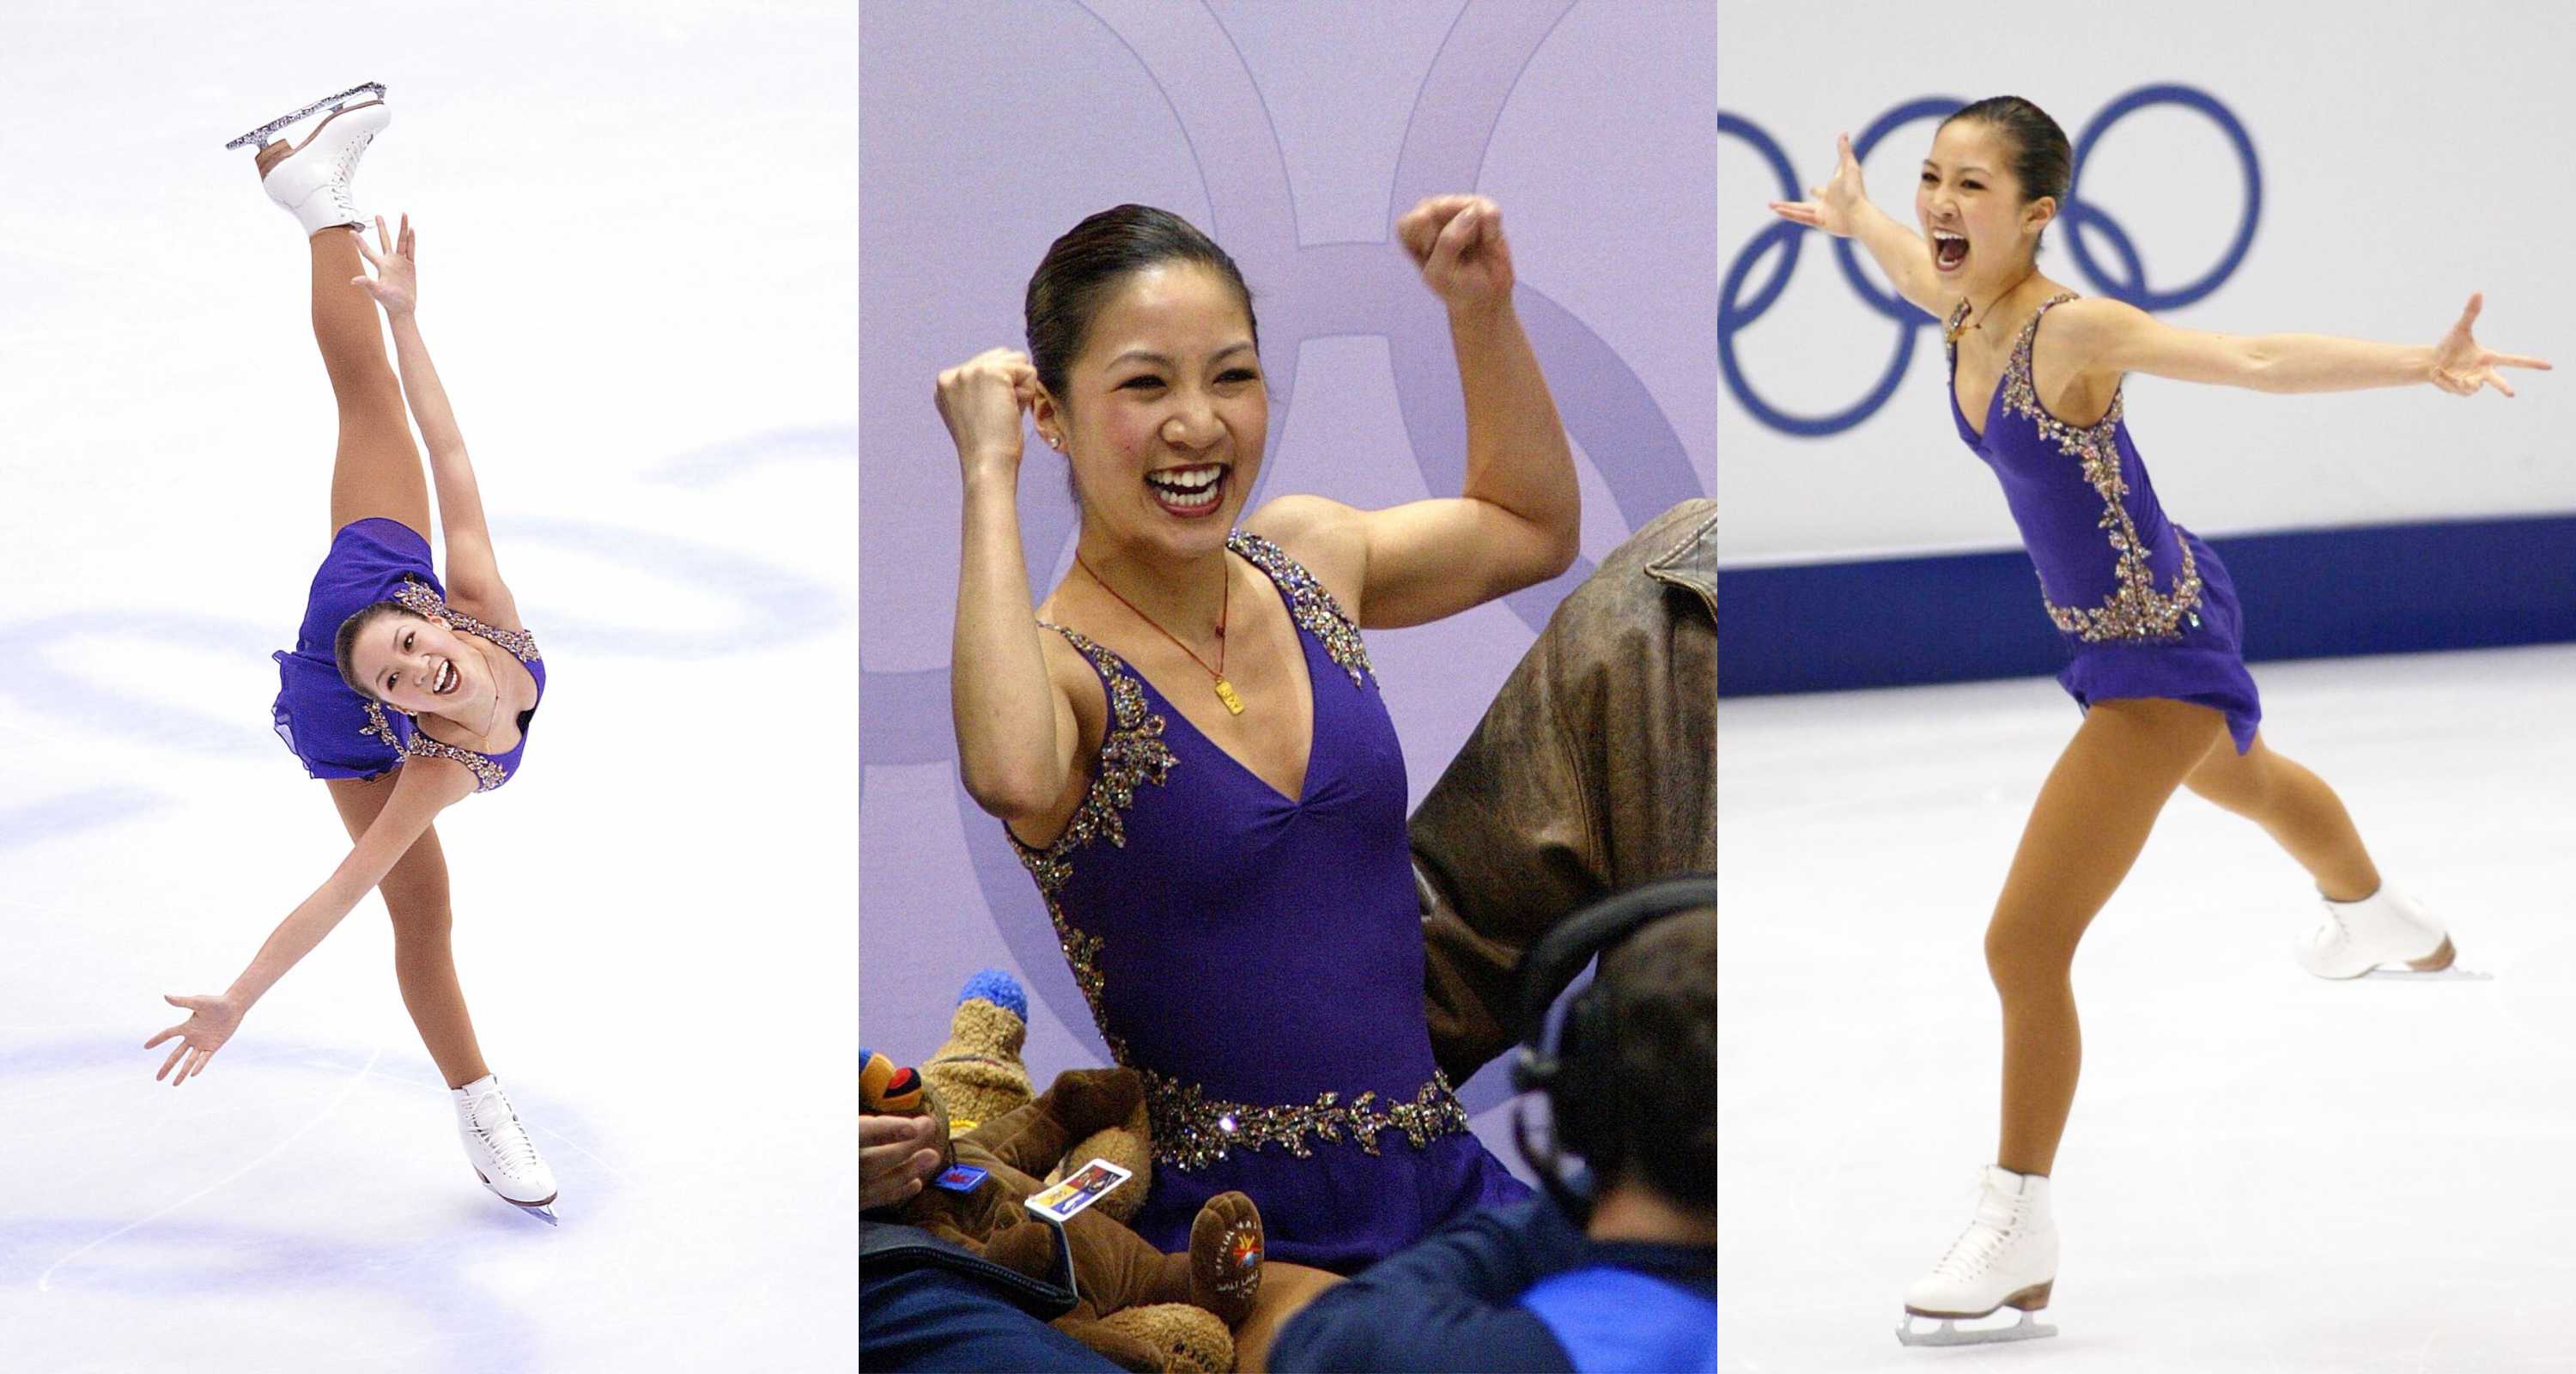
(1948, 250)
(1191, 491)
(445, 681)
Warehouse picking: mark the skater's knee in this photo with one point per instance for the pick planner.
(2026, 954)
(418, 907)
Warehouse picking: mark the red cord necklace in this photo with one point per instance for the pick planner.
(1225, 599)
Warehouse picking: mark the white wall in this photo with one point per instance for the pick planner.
(2409, 156)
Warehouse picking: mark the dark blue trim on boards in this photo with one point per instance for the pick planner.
(2377, 589)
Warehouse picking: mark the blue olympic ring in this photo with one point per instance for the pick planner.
(2128, 284)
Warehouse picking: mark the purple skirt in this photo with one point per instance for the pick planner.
(323, 722)
(2206, 667)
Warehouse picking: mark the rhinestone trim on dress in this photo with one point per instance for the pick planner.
(1312, 607)
(2136, 612)
(1192, 1130)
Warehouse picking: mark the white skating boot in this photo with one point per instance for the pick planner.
(2387, 927)
(499, 1148)
(2006, 1258)
(311, 181)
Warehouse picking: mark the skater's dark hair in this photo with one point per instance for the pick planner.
(2043, 162)
(1658, 1123)
(1081, 268)
(344, 645)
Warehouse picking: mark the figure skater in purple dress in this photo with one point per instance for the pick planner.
(404, 693)
(2148, 616)
(1187, 744)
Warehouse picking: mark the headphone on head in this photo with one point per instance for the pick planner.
(1576, 1068)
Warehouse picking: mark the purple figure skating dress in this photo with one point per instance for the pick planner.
(2099, 540)
(338, 733)
(1258, 959)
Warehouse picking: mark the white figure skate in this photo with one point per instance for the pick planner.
(2385, 935)
(2006, 1258)
(500, 1151)
(311, 180)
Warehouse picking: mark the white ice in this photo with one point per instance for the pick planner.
(637, 228)
(2264, 1172)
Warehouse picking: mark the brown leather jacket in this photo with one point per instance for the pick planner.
(1594, 770)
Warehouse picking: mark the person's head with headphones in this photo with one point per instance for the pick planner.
(1631, 1075)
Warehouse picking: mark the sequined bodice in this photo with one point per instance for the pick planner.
(1259, 958)
(490, 770)
(2087, 512)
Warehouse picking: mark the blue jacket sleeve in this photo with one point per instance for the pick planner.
(1449, 1302)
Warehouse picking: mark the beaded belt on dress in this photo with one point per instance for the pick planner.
(1192, 1130)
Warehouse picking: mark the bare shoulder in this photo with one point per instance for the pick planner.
(1327, 538)
(2089, 324)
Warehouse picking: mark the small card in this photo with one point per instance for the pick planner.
(1080, 1189)
(961, 1179)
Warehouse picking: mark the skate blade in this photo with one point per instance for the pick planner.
(544, 1212)
(258, 138)
(2453, 974)
(2029, 1328)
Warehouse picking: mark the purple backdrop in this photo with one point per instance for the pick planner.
(1294, 134)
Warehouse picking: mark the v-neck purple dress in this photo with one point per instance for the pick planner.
(2100, 541)
(1258, 959)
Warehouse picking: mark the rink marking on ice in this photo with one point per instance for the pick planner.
(586, 1154)
(45, 1280)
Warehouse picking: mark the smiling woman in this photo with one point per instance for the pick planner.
(460, 674)
(1196, 693)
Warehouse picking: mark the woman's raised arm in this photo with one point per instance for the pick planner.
(1016, 732)
(473, 574)
(1518, 517)
(2108, 335)
(1842, 207)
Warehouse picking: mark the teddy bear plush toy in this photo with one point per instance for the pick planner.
(1139, 1307)
(979, 1076)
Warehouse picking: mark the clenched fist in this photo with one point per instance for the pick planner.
(1457, 241)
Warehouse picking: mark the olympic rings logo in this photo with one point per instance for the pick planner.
(2128, 283)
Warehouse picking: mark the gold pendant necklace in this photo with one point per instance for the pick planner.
(1224, 689)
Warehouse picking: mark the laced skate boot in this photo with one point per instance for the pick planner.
(2006, 1258)
(499, 1149)
(2386, 927)
(311, 180)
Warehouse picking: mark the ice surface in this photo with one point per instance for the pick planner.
(2264, 1172)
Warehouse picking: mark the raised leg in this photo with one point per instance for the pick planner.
(2091, 820)
(2297, 809)
(415, 893)
(376, 470)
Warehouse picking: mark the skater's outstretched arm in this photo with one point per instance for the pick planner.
(473, 576)
(425, 786)
(1518, 517)
(2110, 336)
(1842, 207)
(1016, 731)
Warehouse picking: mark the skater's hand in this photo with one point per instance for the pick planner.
(394, 285)
(2461, 367)
(211, 1021)
(894, 1157)
(982, 400)
(1834, 204)
(1458, 243)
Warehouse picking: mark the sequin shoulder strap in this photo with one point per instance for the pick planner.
(1313, 608)
(1132, 753)
(417, 598)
